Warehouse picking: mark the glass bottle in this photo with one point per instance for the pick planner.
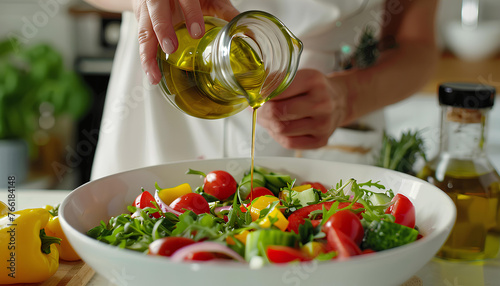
(463, 171)
(234, 65)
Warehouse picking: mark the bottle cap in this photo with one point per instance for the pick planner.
(466, 95)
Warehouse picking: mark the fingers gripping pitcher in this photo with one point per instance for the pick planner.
(234, 65)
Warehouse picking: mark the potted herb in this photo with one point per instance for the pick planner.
(32, 76)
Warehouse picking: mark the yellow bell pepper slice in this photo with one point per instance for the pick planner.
(242, 236)
(169, 195)
(281, 223)
(263, 202)
(259, 204)
(313, 248)
(21, 241)
(301, 188)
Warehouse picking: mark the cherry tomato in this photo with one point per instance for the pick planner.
(298, 217)
(219, 184)
(144, 200)
(168, 245)
(348, 223)
(258, 192)
(341, 243)
(193, 202)
(317, 186)
(403, 210)
(285, 254)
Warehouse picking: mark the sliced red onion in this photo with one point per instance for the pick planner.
(221, 209)
(205, 246)
(164, 207)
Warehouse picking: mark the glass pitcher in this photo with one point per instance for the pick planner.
(234, 65)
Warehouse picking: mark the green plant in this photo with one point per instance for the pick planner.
(401, 155)
(30, 76)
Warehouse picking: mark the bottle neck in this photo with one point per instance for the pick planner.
(463, 132)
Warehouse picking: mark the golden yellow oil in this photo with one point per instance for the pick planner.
(189, 77)
(476, 233)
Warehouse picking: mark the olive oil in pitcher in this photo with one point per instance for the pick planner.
(235, 65)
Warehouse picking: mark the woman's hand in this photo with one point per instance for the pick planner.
(157, 19)
(306, 114)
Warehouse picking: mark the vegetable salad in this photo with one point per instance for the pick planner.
(277, 220)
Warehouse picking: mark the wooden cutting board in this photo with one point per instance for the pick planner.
(75, 273)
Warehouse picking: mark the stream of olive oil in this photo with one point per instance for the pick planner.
(476, 233)
(254, 122)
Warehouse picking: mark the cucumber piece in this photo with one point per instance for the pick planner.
(382, 235)
(245, 188)
(257, 177)
(258, 241)
(379, 199)
(302, 198)
(306, 196)
(261, 170)
(278, 180)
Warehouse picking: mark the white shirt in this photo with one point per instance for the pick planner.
(140, 128)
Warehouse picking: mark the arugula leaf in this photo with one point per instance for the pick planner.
(326, 256)
(268, 209)
(328, 213)
(134, 233)
(306, 232)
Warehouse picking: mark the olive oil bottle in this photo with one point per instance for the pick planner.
(463, 171)
(234, 65)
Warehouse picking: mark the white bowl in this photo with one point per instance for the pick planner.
(98, 200)
(473, 45)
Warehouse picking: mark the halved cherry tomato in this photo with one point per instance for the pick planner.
(317, 186)
(403, 211)
(348, 223)
(259, 192)
(144, 200)
(219, 184)
(168, 245)
(285, 254)
(298, 217)
(341, 243)
(193, 202)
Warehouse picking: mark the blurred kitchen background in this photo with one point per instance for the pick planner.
(68, 47)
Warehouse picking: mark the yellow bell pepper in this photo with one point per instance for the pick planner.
(242, 236)
(301, 188)
(263, 202)
(4, 209)
(169, 195)
(259, 204)
(27, 255)
(53, 228)
(281, 222)
(313, 248)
